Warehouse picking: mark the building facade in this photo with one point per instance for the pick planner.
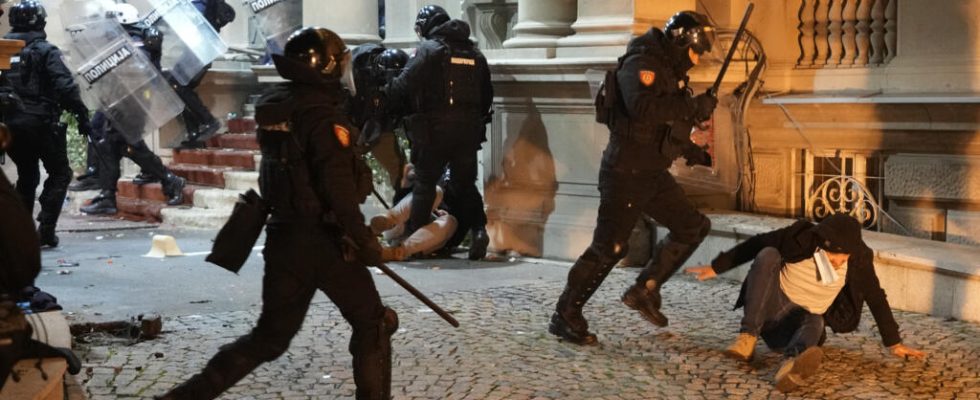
(862, 106)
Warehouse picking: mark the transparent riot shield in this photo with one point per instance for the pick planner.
(277, 19)
(189, 42)
(112, 71)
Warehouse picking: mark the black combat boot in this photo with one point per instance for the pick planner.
(644, 295)
(45, 234)
(173, 187)
(83, 184)
(479, 240)
(568, 322)
(371, 348)
(103, 204)
(144, 178)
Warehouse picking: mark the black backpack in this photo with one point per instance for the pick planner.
(219, 14)
(464, 65)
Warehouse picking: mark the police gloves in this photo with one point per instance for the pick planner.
(85, 128)
(704, 106)
(369, 253)
(697, 156)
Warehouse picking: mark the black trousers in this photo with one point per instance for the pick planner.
(300, 259)
(37, 140)
(452, 145)
(195, 112)
(113, 148)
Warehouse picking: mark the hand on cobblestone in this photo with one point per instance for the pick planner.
(903, 351)
(702, 272)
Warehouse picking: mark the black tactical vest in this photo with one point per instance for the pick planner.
(28, 78)
(461, 89)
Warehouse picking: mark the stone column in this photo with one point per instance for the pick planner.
(541, 23)
(603, 23)
(400, 19)
(355, 21)
(400, 22)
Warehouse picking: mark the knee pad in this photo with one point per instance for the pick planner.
(389, 323)
(607, 253)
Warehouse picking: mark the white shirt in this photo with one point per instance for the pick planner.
(802, 285)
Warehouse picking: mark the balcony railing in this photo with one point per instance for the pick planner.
(847, 33)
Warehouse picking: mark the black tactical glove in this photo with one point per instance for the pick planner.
(704, 106)
(697, 155)
(85, 128)
(369, 253)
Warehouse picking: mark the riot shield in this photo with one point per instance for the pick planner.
(190, 43)
(112, 71)
(277, 19)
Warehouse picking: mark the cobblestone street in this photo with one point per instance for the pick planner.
(503, 351)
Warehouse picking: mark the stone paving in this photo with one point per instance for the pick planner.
(503, 351)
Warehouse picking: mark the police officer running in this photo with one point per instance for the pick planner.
(113, 146)
(447, 85)
(633, 178)
(316, 236)
(45, 85)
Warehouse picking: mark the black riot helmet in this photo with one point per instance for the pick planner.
(688, 29)
(429, 17)
(28, 15)
(391, 63)
(312, 54)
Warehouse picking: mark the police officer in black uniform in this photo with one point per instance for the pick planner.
(45, 85)
(633, 178)
(374, 67)
(313, 182)
(447, 85)
(112, 145)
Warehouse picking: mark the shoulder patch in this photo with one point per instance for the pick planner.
(343, 135)
(647, 77)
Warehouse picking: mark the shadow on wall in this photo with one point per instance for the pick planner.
(520, 200)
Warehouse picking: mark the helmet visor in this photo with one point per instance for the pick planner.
(347, 73)
(704, 43)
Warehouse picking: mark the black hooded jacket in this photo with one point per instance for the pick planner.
(422, 86)
(652, 86)
(798, 242)
(310, 172)
(41, 79)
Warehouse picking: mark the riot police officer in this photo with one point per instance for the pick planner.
(375, 66)
(45, 85)
(113, 146)
(651, 79)
(313, 182)
(447, 85)
(198, 120)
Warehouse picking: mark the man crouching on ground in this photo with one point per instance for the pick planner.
(805, 276)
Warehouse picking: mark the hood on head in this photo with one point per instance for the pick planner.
(453, 30)
(839, 233)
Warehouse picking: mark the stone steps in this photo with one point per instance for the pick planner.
(244, 159)
(241, 181)
(196, 218)
(239, 141)
(204, 175)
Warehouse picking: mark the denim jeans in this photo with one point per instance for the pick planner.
(766, 305)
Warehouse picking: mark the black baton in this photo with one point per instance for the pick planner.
(415, 292)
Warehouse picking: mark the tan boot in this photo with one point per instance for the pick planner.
(396, 253)
(794, 371)
(742, 348)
